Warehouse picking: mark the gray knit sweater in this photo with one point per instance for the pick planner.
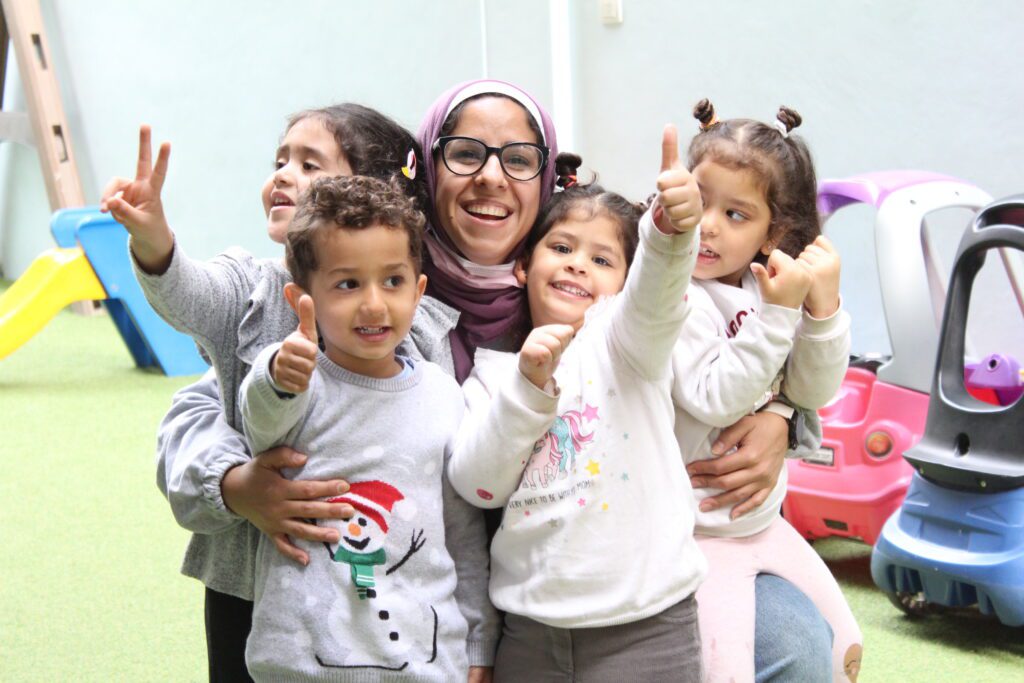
(200, 438)
(381, 603)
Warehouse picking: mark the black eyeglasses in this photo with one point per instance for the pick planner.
(466, 156)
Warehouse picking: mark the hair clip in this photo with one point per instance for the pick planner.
(782, 128)
(704, 127)
(409, 170)
(568, 181)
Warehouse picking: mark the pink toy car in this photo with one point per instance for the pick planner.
(858, 477)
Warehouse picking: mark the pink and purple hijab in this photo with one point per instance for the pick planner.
(491, 302)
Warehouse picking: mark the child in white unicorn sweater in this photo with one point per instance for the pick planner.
(595, 562)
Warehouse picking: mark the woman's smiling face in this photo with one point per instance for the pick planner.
(487, 214)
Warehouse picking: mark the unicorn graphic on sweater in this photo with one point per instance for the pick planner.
(554, 454)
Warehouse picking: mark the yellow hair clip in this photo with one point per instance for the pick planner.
(409, 170)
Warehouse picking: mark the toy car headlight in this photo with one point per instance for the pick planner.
(878, 444)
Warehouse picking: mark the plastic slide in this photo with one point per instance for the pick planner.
(92, 263)
(57, 278)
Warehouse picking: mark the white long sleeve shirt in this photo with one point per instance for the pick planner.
(598, 510)
(733, 356)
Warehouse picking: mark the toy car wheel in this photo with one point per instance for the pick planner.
(911, 604)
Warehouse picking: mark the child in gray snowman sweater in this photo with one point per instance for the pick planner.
(378, 604)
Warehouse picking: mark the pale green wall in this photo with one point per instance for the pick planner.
(881, 84)
(218, 79)
(931, 84)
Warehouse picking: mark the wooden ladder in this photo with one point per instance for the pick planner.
(44, 125)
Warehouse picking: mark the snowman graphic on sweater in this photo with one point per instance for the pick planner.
(361, 539)
(392, 626)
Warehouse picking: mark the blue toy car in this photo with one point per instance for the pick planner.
(958, 538)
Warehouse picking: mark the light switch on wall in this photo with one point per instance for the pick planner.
(611, 12)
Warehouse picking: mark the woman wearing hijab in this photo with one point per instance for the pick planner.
(482, 210)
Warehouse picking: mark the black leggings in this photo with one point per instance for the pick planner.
(228, 622)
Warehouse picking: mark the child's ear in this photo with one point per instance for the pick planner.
(775, 235)
(421, 286)
(519, 270)
(292, 293)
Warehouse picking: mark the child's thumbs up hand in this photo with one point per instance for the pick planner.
(295, 361)
(541, 352)
(821, 259)
(679, 205)
(784, 282)
(307, 319)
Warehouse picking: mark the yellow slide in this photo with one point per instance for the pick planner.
(56, 278)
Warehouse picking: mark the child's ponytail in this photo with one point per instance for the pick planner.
(588, 199)
(704, 112)
(566, 166)
(786, 120)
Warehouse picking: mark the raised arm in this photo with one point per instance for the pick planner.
(273, 399)
(818, 363)
(274, 394)
(650, 311)
(204, 300)
(269, 410)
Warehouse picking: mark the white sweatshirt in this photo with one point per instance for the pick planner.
(729, 361)
(598, 521)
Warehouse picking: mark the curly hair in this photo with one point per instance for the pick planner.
(348, 203)
(781, 163)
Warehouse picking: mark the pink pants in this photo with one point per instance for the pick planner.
(725, 600)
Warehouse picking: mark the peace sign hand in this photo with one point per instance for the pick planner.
(136, 205)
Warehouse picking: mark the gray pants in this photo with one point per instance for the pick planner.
(665, 647)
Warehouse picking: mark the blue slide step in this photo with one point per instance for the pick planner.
(152, 342)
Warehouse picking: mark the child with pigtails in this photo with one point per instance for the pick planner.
(765, 319)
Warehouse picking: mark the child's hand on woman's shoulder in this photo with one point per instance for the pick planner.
(784, 282)
(821, 260)
(541, 352)
(295, 361)
(679, 207)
